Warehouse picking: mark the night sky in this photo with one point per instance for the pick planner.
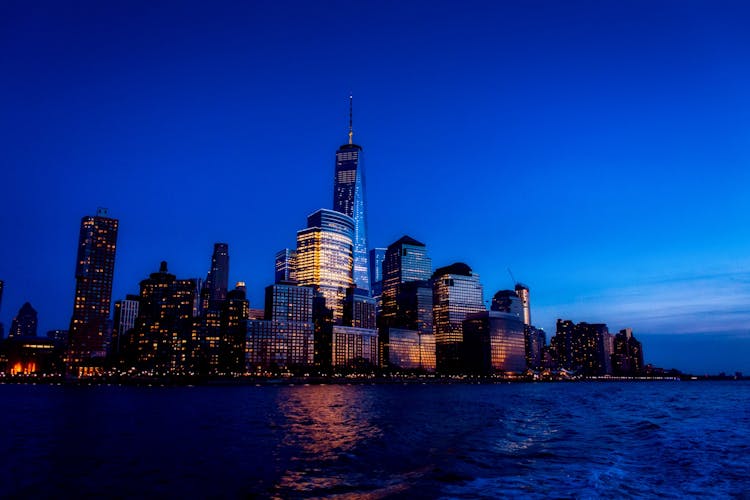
(599, 149)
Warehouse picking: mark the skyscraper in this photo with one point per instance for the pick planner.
(126, 311)
(457, 293)
(494, 342)
(405, 260)
(324, 258)
(217, 281)
(523, 293)
(25, 323)
(284, 265)
(377, 256)
(95, 269)
(349, 199)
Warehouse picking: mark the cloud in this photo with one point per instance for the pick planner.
(705, 303)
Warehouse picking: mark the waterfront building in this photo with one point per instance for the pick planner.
(126, 312)
(354, 348)
(24, 324)
(508, 301)
(95, 267)
(627, 356)
(163, 329)
(580, 347)
(457, 293)
(284, 266)
(536, 341)
(235, 314)
(285, 338)
(349, 199)
(31, 355)
(324, 258)
(494, 342)
(411, 350)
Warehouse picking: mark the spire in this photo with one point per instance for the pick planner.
(351, 127)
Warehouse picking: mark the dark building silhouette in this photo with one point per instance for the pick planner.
(377, 256)
(457, 293)
(59, 337)
(95, 266)
(217, 280)
(349, 199)
(162, 337)
(126, 312)
(580, 347)
(536, 343)
(24, 324)
(627, 356)
(235, 314)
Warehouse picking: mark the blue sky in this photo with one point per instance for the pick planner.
(599, 149)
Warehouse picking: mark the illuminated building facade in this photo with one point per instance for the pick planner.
(410, 350)
(377, 256)
(536, 341)
(523, 293)
(126, 312)
(95, 267)
(285, 338)
(457, 293)
(24, 324)
(349, 199)
(163, 329)
(234, 316)
(324, 258)
(494, 343)
(30, 355)
(354, 348)
(284, 266)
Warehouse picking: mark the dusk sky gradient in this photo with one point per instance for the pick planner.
(597, 148)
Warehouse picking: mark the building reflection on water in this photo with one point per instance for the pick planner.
(323, 429)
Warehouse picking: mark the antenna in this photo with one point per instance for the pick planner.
(351, 127)
(512, 277)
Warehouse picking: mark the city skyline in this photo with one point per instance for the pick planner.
(596, 244)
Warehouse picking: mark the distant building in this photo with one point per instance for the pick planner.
(349, 199)
(627, 355)
(536, 343)
(235, 314)
(457, 293)
(32, 355)
(494, 342)
(354, 348)
(507, 301)
(59, 337)
(95, 267)
(523, 293)
(285, 266)
(24, 325)
(580, 347)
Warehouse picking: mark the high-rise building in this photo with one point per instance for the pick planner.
(235, 314)
(457, 293)
(95, 267)
(523, 293)
(580, 347)
(377, 256)
(324, 258)
(411, 350)
(507, 301)
(405, 260)
(163, 329)
(285, 339)
(536, 341)
(24, 325)
(126, 312)
(284, 266)
(59, 337)
(359, 309)
(494, 342)
(217, 280)
(349, 199)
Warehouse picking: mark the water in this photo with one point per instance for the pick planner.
(581, 440)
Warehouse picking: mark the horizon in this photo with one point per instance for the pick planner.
(628, 214)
